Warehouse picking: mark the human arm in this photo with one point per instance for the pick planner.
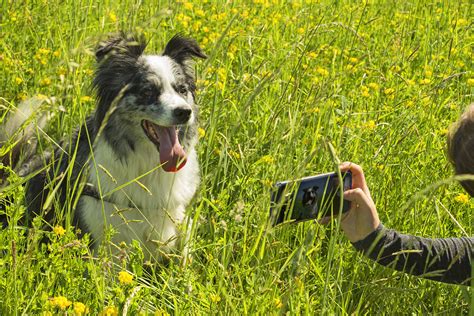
(442, 259)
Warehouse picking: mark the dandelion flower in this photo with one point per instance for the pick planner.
(80, 309)
(312, 55)
(201, 132)
(365, 91)
(354, 60)
(43, 51)
(389, 91)
(125, 277)
(215, 298)
(373, 85)
(462, 198)
(411, 82)
(278, 303)
(110, 311)
(45, 81)
(61, 302)
(323, 72)
(85, 99)
(59, 230)
(425, 81)
(112, 17)
(370, 125)
(161, 312)
(18, 80)
(470, 82)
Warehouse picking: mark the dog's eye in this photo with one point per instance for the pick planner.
(181, 89)
(148, 95)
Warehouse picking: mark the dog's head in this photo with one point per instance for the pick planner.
(152, 94)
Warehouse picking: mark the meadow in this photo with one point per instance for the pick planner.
(378, 81)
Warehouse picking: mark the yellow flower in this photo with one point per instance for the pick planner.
(462, 22)
(43, 51)
(56, 53)
(199, 12)
(110, 311)
(45, 81)
(266, 159)
(215, 298)
(370, 125)
(21, 96)
(188, 5)
(201, 132)
(389, 91)
(411, 82)
(88, 71)
(85, 99)
(80, 309)
(300, 30)
(61, 302)
(443, 131)
(365, 91)
(125, 277)
(112, 17)
(278, 303)
(59, 230)
(462, 198)
(425, 81)
(312, 55)
(323, 72)
(161, 312)
(374, 86)
(18, 80)
(313, 110)
(354, 60)
(61, 71)
(234, 154)
(470, 82)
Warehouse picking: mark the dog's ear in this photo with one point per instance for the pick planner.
(121, 44)
(181, 48)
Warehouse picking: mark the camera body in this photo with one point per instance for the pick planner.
(309, 198)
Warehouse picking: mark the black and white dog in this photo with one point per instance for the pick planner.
(132, 166)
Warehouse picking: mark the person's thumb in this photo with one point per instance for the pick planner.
(356, 195)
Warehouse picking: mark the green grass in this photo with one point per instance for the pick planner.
(380, 80)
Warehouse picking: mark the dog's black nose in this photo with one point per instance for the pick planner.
(182, 114)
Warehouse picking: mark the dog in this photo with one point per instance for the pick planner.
(132, 167)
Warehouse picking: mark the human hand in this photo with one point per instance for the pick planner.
(362, 218)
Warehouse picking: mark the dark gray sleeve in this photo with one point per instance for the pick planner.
(441, 259)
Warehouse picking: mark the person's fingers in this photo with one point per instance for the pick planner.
(356, 196)
(358, 178)
(352, 167)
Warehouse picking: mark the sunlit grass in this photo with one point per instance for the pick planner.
(381, 81)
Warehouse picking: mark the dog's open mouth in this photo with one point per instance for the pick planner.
(172, 154)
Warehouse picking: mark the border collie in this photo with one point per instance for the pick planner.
(132, 166)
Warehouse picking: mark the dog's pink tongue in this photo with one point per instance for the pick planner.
(172, 155)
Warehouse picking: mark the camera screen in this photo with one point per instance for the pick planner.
(309, 198)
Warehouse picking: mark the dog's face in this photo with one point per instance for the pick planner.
(152, 94)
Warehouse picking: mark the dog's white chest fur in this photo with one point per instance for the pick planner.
(149, 208)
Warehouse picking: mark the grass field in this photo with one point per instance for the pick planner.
(379, 80)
